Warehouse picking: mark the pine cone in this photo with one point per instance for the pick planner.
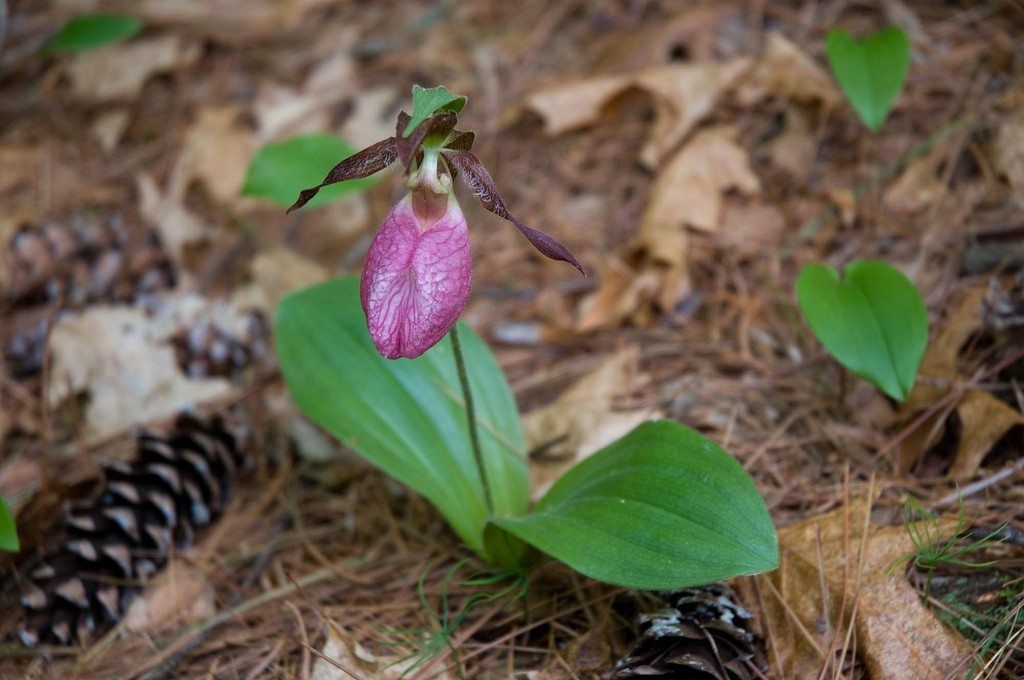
(208, 349)
(60, 266)
(701, 635)
(1004, 309)
(175, 485)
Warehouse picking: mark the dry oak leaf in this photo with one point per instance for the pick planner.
(179, 227)
(919, 185)
(786, 72)
(690, 191)
(180, 595)
(984, 419)
(897, 637)
(217, 151)
(123, 360)
(283, 111)
(583, 418)
(796, 148)
(1008, 151)
(343, 658)
(119, 71)
(683, 95)
(275, 273)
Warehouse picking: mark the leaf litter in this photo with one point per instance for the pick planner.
(689, 312)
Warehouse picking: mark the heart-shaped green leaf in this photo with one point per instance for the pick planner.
(661, 508)
(406, 416)
(428, 101)
(89, 31)
(279, 171)
(873, 322)
(870, 71)
(8, 531)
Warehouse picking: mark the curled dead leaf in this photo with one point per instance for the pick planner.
(895, 634)
(583, 419)
(120, 71)
(683, 95)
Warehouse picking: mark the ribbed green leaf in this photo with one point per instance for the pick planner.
(661, 508)
(428, 101)
(280, 170)
(406, 416)
(89, 31)
(8, 530)
(870, 71)
(873, 322)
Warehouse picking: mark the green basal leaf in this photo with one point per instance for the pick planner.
(661, 508)
(428, 101)
(8, 530)
(870, 71)
(873, 322)
(406, 416)
(89, 31)
(279, 171)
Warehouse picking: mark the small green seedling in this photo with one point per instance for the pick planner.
(872, 321)
(931, 550)
(90, 31)
(871, 71)
(663, 507)
(8, 531)
(427, 102)
(279, 170)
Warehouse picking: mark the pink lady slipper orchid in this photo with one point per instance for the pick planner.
(418, 270)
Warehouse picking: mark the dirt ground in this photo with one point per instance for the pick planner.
(693, 155)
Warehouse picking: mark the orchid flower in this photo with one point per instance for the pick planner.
(418, 271)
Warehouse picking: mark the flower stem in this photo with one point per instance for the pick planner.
(474, 434)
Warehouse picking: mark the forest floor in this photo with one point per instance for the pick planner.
(693, 155)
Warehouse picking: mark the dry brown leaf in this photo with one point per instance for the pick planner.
(583, 419)
(217, 151)
(1008, 150)
(683, 95)
(689, 192)
(786, 72)
(984, 420)
(752, 227)
(20, 166)
(341, 651)
(178, 226)
(623, 290)
(109, 127)
(897, 637)
(275, 273)
(919, 185)
(179, 596)
(796, 148)
(283, 111)
(123, 361)
(119, 71)
(372, 117)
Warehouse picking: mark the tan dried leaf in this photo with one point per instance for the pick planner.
(123, 361)
(1008, 150)
(583, 419)
(217, 151)
(786, 72)
(796, 148)
(689, 192)
(109, 127)
(341, 651)
(984, 420)
(178, 226)
(683, 95)
(119, 71)
(752, 227)
(275, 273)
(896, 635)
(919, 185)
(283, 111)
(179, 596)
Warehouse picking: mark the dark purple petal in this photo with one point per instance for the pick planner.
(373, 158)
(440, 125)
(463, 141)
(480, 182)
